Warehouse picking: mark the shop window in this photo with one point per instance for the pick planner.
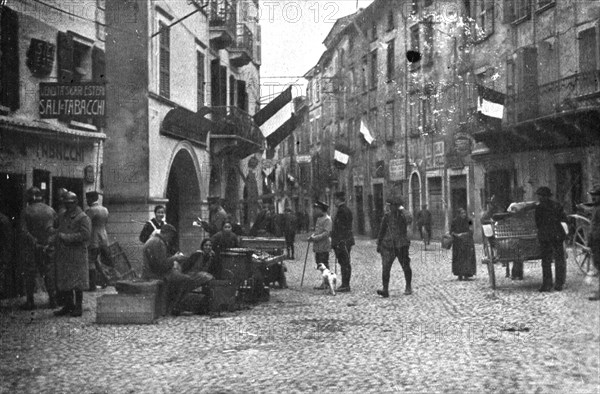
(9, 58)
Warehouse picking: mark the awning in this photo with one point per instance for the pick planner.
(45, 128)
(182, 123)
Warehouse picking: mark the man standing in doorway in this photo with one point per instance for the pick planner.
(424, 223)
(342, 239)
(36, 228)
(548, 217)
(393, 242)
(99, 239)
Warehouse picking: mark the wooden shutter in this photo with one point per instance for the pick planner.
(587, 61)
(214, 83)
(242, 95)
(223, 85)
(9, 60)
(164, 61)
(232, 90)
(65, 58)
(200, 80)
(527, 83)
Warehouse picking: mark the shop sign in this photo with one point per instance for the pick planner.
(397, 169)
(88, 173)
(303, 158)
(41, 148)
(40, 57)
(74, 101)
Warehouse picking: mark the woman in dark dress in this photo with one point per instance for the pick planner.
(224, 239)
(203, 260)
(464, 264)
(154, 224)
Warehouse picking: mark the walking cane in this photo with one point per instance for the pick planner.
(305, 259)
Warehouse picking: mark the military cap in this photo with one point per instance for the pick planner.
(34, 191)
(321, 205)
(395, 200)
(340, 195)
(544, 191)
(70, 197)
(595, 190)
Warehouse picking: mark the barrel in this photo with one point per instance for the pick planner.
(239, 262)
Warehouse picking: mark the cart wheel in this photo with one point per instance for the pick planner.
(582, 253)
(492, 273)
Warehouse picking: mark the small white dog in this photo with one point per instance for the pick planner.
(329, 278)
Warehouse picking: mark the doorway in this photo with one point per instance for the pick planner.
(12, 202)
(360, 211)
(458, 193)
(569, 186)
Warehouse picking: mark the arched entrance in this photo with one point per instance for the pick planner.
(184, 206)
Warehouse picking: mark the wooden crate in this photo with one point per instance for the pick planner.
(126, 309)
(157, 288)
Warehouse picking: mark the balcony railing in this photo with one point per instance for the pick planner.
(245, 38)
(222, 23)
(570, 93)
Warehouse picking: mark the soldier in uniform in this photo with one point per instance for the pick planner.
(71, 239)
(548, 217)
(37, 224)
(342, 239)
(393, 242)
(99, 238)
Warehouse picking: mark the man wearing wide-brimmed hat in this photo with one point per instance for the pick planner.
(594, 236)
(393, 243)
(342, 239)
(321, 237)
(548, 217)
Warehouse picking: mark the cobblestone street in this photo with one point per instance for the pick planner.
(449, 336)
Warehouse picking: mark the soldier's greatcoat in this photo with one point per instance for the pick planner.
(71, 253)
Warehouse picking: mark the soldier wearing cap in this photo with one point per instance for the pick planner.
(548, 217)
(393, 243)
(321, 237)
(342, 239)
(72, 272)
(98, 239)
(37, 225)
(218, 216)
(594, 236)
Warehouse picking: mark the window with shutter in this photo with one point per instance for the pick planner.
(9, 58)
(242, 96)
(200, 79)
(374, 67)
(428, 47)
(164, 61)
(214, 83)
(415, 44)
(232, 90)
(588, 66)
(527, 86)
(390, 60)
(485, 18)
(522, 9)
(65, 58)
(223, 85)
(389, 121)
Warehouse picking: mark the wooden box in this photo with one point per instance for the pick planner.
(146, 287)
(126, 309)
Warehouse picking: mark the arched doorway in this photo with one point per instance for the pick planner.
(184, 206)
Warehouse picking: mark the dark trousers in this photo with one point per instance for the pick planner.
(425, 232)
(387, 259)
(42, 264)
(322, 258)
(289, 244)
(179, 285)
(342, 254)
(96, 274)
(553, 250)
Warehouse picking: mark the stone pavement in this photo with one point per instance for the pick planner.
(449, 336)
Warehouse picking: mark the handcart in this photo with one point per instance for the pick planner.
(512, 237)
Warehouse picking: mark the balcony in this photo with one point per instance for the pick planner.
(241, 50)
(560, 114)
(222, 24)
(234, 132)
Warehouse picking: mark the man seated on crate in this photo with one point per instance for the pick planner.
(159, 264)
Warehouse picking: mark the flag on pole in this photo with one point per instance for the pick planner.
(490, 103)
(364, 130)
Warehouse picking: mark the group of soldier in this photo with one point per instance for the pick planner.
(62, 247)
